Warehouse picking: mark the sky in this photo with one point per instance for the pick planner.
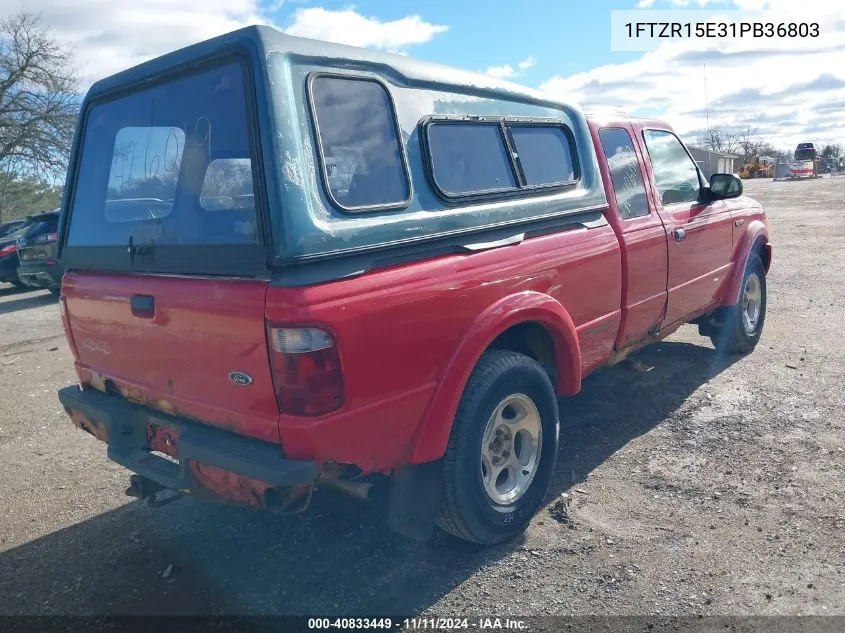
(790, 90)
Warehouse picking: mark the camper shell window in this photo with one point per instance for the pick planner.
(493, 156)
(358, 142)
(164, 180)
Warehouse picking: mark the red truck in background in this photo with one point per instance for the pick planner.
(435, 363)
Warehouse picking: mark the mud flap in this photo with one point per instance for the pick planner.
(415, 492)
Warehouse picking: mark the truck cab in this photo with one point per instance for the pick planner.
(293, 265)
(679, 241)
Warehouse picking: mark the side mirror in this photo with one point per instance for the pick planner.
(724, 186)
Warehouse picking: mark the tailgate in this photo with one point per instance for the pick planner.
(193, 347)
(164, 296)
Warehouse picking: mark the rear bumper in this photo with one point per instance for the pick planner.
(40, 275)
(131, 431)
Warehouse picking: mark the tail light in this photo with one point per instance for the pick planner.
(66, 326)
(306, 370)
(8, 250)
(51, 237)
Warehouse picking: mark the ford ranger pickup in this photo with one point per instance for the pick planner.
(294, 265)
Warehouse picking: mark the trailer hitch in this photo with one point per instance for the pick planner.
(155, 494)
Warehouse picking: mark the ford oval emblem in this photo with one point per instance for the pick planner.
(240, 378)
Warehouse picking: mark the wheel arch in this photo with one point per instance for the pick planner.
(754, 240)
(522, 322)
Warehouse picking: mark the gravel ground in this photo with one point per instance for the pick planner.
(704, 486)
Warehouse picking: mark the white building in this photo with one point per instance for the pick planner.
(715, 162)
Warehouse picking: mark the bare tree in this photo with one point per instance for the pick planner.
(719, 138)
(39, 99)
(749, 144)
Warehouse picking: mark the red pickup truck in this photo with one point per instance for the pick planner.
(294, 265)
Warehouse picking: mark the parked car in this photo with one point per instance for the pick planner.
(830, 165)
(429, 258)
(38, 264)
(9, 259)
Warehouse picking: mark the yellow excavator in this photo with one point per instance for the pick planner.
(756, 169)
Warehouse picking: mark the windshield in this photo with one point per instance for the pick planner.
(168, 165)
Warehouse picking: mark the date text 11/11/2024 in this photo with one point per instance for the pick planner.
(669, 30)
(418, 624)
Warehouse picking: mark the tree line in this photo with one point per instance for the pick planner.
(748, 144)
(39, 105)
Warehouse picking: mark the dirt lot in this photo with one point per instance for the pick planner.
(705, 486)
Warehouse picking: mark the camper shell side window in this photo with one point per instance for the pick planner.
(359, 146)
(471, 158)
(353, 171)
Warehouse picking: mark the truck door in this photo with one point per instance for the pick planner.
(642, 237)
(700, 235)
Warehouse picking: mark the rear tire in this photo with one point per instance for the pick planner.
(502, 449)
(743, 322)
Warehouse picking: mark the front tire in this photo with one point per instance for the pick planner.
(502, 449)
(744, 322)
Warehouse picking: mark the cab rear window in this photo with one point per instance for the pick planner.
(148, 158)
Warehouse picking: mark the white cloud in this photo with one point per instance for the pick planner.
(108, 35)
(349, 27)
(791, 89)
(527, 63)
(501, 72)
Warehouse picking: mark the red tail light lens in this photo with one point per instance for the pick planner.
(8, 250)
(52, 237)
(306, 370)
(66, 325)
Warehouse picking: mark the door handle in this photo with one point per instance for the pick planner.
(679, 234)
(143, 306)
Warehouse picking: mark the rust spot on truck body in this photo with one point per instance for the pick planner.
(81, 421)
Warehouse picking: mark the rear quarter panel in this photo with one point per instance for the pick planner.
(398, 329)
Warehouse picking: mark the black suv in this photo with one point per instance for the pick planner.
(38, 266)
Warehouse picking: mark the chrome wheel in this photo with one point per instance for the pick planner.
(510, 449)
(752, 301)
